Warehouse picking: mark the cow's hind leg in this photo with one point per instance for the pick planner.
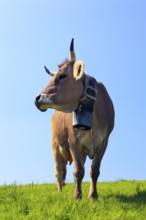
(95, 170)
(64, 174)
(60, 167)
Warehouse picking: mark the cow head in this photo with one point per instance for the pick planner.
(66, 86)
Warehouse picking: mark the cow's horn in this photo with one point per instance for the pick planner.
(72, 52)
(48, 71)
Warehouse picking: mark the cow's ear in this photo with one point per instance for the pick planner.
(78, 70)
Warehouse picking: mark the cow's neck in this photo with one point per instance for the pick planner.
(89, 94)
(82, 116)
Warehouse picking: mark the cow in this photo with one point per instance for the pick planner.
(72, 92)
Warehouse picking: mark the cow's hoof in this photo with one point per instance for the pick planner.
(63, 183)
(93, 196)
(78, 196)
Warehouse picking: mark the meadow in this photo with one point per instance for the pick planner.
(122, 200)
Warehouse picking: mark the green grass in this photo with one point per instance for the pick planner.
(123, 200)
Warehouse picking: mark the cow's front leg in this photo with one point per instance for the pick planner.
(78, 176)
(78, 169)
(95, 170)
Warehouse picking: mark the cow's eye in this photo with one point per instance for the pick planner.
(61, 76)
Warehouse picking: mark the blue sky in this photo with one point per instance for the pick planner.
(110, 37)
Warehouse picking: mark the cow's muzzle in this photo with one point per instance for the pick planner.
(42, 102)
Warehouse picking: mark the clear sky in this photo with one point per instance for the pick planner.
(110, 37)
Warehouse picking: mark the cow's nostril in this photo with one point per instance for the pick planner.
(38, 98)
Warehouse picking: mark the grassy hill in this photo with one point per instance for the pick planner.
(123, 200)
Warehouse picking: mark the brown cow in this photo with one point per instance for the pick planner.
(66, 93)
